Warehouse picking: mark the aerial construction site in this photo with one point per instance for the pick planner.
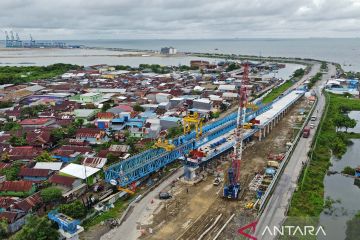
(228, 168)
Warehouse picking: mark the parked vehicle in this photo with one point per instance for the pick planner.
(313, 118)
(306, 132)
(216, 181)
(312, 125)
(164, 195)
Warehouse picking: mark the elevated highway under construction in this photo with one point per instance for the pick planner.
(143, 164)
(194, 209)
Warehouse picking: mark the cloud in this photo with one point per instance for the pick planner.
(129, 19)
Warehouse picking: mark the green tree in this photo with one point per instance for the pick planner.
(44, 157)
(6, 104)
(111, 158)
(11, 126)
(51, 194)
(352, 228)
(32, 111)
(299, 73)
(174, 131)
(17, 141)
(105, 107)
(79, 123)
(348, 170)
(11, 173)
(75, 209)
(131, 141)
(138, 108)
(232, 66)
(58, 134)
(122, 67)
(349, 123)
(37, 228)
(345, 109)
(3, 228)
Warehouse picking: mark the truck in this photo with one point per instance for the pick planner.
(306, 132)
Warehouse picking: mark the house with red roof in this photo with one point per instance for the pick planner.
(103, 120)
(6, 202)
(39, 138)
(36, 122)
(14, 210)
(92, 135)
(22, 153)
(95, 162)
(35, 175)
(28, 204)
(69, 153)
(66, 183)
(17, 188)
(120, 108)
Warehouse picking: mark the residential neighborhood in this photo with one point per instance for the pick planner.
(58, 135)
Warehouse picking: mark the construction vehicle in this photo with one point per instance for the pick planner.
(193, 118)
(232, 186)
(249, 205)
(160, 143)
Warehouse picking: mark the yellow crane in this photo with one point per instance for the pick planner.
(193, 118)
(164, 144)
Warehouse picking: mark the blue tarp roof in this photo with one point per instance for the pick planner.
(118, 120)
(134, 124)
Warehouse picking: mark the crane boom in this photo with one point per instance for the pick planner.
(232, 190)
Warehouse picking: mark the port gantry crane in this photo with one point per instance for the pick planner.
(232, 187)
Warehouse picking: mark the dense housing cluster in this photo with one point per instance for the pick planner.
(59, 134)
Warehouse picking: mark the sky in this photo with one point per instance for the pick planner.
(180, 19)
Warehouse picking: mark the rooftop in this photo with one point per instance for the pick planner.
(55, 166)
(35, 121)
(79, 171)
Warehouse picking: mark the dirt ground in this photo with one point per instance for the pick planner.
(194, 208)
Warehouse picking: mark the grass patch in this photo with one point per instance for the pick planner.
(308, 201)
(277, 91)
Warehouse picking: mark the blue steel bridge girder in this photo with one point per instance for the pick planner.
(124, 178)
(145, 163)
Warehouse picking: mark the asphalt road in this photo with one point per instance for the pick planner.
(276, 209)
(128, 229)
